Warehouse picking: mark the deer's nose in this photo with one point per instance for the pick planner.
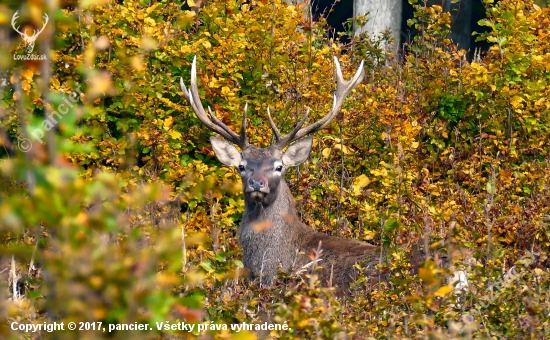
(257, 183)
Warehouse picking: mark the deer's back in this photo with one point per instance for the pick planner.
(339, 255)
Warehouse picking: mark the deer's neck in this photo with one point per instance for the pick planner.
(283, 206)
(271, 235)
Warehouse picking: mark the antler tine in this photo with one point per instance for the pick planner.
(276, 131)
(292, 136)
(219, 123)
(343, 88)
(217, 126)
(37, 32)
(243, 126)
(13, 22)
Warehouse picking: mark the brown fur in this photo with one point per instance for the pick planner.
(272, 236)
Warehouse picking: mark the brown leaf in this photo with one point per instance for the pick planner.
(505, 173)
(188, 314)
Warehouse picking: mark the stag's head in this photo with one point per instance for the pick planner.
(263, 169)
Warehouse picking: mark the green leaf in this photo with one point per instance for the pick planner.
(391, 225)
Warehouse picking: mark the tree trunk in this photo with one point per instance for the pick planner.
(461, 22)
(382, 15)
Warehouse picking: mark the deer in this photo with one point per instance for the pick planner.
(271, 234)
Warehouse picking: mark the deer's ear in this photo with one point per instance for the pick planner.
(226, 152)
(298, 152)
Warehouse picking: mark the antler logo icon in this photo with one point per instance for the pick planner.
(28, 40)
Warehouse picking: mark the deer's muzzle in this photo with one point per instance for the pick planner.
(257, 196)
(257, 188)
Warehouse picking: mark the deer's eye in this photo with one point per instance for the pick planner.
(241, 168)
(279, 168)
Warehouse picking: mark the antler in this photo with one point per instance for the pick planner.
(36, 33)
(13, 22)
(342, 90)
(215, 124)
(43, 26)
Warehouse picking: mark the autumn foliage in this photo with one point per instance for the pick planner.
(124, 215)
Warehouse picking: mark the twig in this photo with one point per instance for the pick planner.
(31, 264)
(14, 280)
(183, 245)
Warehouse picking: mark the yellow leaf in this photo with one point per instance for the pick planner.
(3, 18)
(369, 235)
(100, 313)
(167, 279)
(303, 323)
(191, 3)
(87, 3)
(426, 275)
(174, 134)
(26, 85)
(148, 43)
(444, 290)
(27, 74)
(516, 101)
(539, 272)
(339, 147)
(359, 183)
(217, 195)
(333, 187)
(214, 83)
(326, 152)
(55, 83)
(26, 82)
(226, 91)
(168, 122)
(101, 84)
(414, 145)
(81, 219)
(335, 139)
(137, 63)
(184, 20)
